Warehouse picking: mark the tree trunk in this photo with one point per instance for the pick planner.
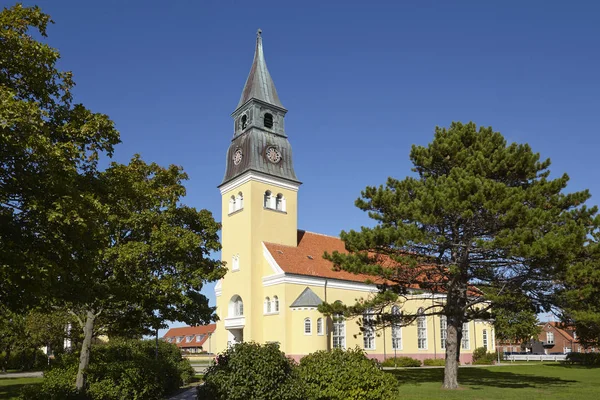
(84, 358)
(454, 336)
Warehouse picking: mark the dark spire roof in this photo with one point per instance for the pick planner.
(259, 84)
(307, 298)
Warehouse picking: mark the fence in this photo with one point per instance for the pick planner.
(535, 357)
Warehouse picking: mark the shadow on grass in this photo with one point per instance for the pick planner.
(10, 388)
(477, 378)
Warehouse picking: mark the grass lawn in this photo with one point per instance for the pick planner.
(537, 381)
(10, 387)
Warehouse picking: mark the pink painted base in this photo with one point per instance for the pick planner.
(464, 358)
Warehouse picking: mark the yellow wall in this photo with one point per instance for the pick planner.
(244, 232)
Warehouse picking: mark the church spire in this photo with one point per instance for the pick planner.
(259, 84)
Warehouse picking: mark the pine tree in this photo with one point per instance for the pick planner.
(482, 223)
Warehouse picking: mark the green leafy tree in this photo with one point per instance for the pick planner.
(145, 251)
(12, 332)
(47, 329)
(47, 143)
(515, 326)
(482, 223)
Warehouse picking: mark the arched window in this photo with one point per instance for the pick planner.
(268, 199)
(231, 204)
(275, 304)
(339, 331)
(319, 326)
(280, 202)
(268, 120)
(421, 330)
(236, 306)
(307, 326)
(396, 329)
(368, 330)
(267, 305)
(443, 330)
(466, 343)
(239, 201)
(244, 121)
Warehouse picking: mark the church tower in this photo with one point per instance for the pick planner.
(259, 203)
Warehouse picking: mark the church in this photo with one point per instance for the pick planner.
(277, 276)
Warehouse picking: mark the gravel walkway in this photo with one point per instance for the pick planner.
(189, 394)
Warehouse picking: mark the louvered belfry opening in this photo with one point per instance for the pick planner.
(268, 120)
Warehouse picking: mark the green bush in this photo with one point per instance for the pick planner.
(434, 362)
(345, 375)
(251, 371)
(482, 357)
(401, 362)
(591, 359)
(58, 384)
(120, 369)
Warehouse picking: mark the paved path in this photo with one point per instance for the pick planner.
(189, 394)
(37, 374)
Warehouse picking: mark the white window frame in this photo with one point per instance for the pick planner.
(548, 335)
(339, 332)
(239, 201)
(443, 330)
(421, 330)
(307, 324)
(231, 204)
(320, 331)
(465, 343)
(396, 330)
(485, 338)
(267, 305)
(235, 262)
(275, 306)
(368, 330)
(280, 202)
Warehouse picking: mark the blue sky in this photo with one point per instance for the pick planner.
(362, 81)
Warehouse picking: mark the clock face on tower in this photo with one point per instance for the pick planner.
(273, 155)
(237, 156)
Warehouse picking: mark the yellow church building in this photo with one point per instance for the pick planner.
(277, 276)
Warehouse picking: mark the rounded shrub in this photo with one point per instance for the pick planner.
(251, 371)
(482, 357)
(402, 362)
(345, 375)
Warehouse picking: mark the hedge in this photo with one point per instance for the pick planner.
(401, 362)
(591, 359)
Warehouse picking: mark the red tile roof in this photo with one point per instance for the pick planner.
(190, 331)
(307, 257)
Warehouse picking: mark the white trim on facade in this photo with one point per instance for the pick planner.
(277, 279)
(219, 288)
(272, 263)
(259, 177)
